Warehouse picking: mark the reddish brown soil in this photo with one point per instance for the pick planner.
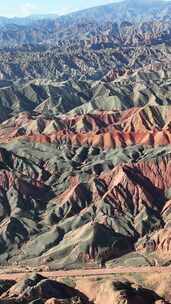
(86, 273)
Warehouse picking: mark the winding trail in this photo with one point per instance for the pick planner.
(84, 272)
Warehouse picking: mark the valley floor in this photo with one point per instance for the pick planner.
(19, 273)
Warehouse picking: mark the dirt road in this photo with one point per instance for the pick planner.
(85, 273)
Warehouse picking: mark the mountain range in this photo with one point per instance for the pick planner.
(85, 149)
(50, 29)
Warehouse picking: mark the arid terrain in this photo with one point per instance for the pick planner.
(89, 287)
(85, 156)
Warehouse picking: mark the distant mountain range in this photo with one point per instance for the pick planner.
(130, 10)
(50, 29)
(26, 20)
